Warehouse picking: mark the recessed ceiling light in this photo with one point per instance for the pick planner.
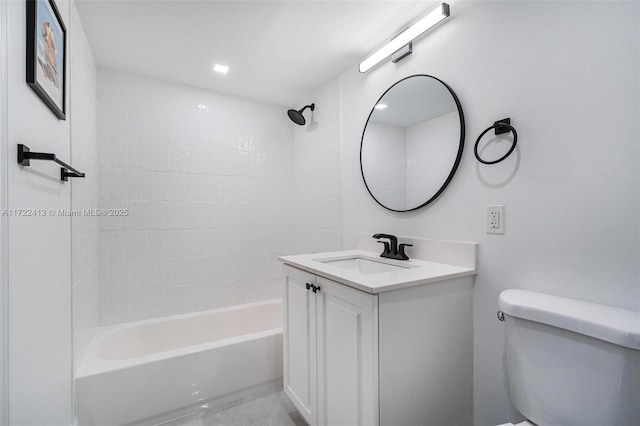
(380, 106)
(222, 69)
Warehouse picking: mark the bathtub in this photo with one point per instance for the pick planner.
(148, 370)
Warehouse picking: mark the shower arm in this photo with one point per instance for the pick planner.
(312, 107)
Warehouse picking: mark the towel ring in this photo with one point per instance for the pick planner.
(501, 126)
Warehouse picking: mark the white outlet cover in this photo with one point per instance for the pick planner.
(495, 219)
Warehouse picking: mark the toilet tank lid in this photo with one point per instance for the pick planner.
(613, 325)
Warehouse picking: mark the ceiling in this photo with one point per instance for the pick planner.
(277, 51)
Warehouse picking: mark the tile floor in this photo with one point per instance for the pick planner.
(272, 409)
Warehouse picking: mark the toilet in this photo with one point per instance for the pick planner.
(571, 362)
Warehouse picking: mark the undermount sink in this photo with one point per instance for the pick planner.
(363, 265)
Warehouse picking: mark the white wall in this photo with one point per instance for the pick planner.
(84, 192)
(4, 314)
(568, 76)
(207, 179)
(39, 267)
(316, 166)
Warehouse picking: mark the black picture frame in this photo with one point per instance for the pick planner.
(46, 54)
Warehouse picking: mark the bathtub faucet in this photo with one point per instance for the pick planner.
(391, 249)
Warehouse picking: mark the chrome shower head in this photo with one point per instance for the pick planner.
(296, 115)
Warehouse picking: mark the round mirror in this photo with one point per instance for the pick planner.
(412, 143)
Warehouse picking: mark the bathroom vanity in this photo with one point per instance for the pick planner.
(372, 341)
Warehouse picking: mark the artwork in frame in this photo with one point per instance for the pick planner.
(46, 54)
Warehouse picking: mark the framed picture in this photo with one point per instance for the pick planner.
(46, 54)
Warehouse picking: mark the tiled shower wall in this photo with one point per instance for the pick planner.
(84, 192)
(205, 184)
(317, 188)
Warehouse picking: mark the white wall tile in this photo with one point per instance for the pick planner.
(85, 243)
(316, 210)
(205, 191)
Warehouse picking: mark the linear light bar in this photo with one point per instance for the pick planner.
(405, 37)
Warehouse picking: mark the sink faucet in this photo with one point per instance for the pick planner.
(391, 249)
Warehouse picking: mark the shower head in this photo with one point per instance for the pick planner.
(296, 115)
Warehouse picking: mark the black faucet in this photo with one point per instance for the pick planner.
(391, 249)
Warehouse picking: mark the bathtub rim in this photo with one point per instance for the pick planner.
(92, 364)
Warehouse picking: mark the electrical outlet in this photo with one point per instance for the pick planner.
(495, 219)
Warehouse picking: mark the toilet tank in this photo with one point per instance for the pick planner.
(572, 362)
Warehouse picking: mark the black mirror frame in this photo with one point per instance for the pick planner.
(460, 146)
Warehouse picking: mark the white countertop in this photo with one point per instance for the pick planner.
(414, 271)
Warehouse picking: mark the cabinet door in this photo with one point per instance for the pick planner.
(299, 341)
(347, 355)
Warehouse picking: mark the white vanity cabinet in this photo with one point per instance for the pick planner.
(398, 356)
(330, 356)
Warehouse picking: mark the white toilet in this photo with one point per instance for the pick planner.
(571, 362)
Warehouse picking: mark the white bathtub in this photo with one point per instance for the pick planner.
(143, 370)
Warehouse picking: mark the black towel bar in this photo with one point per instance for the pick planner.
(66, 171)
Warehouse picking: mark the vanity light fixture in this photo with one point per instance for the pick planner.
(405, 37)
(381, 106)
(222, 69)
